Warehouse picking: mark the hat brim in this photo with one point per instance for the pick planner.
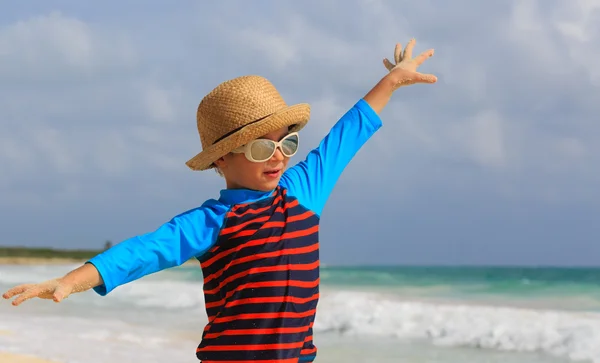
(296, 116)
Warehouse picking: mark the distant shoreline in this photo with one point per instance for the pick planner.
(49, 256)
(39, 261)
(43, 256)
(32, 261)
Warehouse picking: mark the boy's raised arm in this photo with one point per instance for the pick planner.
(313, 179)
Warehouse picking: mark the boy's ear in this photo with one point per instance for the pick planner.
(220, 162)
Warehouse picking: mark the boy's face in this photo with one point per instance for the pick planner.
(240, 172)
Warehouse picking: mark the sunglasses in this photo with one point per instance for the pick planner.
(261, 150)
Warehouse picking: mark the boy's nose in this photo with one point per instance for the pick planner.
(278, 155)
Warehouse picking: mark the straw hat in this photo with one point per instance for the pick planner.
(238, 111)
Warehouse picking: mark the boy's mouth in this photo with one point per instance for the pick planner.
(272, 173)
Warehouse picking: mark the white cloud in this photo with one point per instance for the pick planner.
(571, 148)
(559, 41)
(34, 41)
(276, 48)
(49, 47)
(484, 139)
(78, 115)
(160, 103)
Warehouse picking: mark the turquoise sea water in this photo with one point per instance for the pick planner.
(565, 288)
(498, 278)
(472, 282)
(371, 314)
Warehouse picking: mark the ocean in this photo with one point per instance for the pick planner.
(366, 314)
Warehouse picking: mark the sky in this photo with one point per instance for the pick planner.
(495, 164)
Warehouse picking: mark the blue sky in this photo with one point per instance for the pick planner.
(495, 164)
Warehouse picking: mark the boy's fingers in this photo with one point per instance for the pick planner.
(17, 290)
(388, 64)
(31, 293)
(398, 53)
(423, 56)
(58, 296)
(61, 293)
(426, 78)
(409, 48)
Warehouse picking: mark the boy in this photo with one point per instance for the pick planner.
(257, 244)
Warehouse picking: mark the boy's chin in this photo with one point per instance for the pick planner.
(268, 184)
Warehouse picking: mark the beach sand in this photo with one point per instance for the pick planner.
(18, 358)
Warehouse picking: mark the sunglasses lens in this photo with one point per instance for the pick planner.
(262, 150)
(289, 145)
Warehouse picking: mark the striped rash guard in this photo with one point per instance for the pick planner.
(258, 251)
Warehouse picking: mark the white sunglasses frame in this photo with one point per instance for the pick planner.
(247, 148)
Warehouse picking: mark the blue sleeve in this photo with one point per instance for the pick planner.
(312, 180)
(187, 235)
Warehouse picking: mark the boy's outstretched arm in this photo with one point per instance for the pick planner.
(312, 180)
(187, 235)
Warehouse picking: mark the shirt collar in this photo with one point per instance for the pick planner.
(239, 196)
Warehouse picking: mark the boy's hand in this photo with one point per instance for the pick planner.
(81, 279)
(404, 71)
(56, 290)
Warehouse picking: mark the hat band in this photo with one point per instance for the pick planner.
(239, 128)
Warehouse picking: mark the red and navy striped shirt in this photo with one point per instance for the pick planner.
(258, 251)
(261, 283)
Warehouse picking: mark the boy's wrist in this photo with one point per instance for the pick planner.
(379, 96)
(82, 278)
(393, 80)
